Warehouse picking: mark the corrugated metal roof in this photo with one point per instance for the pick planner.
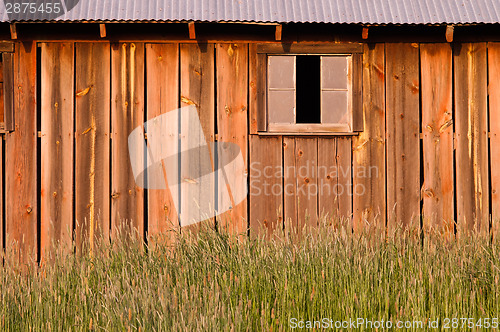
(273, 11)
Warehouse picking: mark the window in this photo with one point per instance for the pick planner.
(311, 92)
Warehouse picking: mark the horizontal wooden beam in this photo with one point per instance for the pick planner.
(310, 48)
(7, 47)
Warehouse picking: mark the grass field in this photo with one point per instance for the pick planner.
(217, 282)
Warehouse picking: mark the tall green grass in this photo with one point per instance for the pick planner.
(213, 281)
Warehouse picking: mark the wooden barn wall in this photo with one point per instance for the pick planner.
(428, 155)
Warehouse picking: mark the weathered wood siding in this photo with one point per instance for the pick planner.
(427, 157)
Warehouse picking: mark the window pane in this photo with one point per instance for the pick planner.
(335, 107)
(308, 89)
(281, 106)
(282, 72)
(334, 72)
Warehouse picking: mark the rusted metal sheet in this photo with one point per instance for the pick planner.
(403, 135)
(471, 126)
(127, 113)
(369, 158)
(92, 143)
(21, 162)
(266, 184)
(162, 63)
(57, 143)
(232, 117)
(494, 121)
(437, 127)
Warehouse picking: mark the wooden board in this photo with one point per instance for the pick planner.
(20, 161)
(343, 160)
(198, 89)
(162, 63)
(92, 142)
(232, 119)
(369, 208)
(253, 76)
(266, 185)
(127, 113)
(306, 161)
(56, 206)
(289, 186)
(403, 138)
(8, 90)
(328, 203)
(494, 103)
(437, 127)
(471, 127)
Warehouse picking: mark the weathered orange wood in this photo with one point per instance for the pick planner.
(198, 89)
(437, 127)
(328, 202)
(127, 113)
(306, 161)
(2, 197)
(403, 137)
(289, 185)
(266, 184)
(20, 161)
(232, 119)
(162, 63)
(494, 103)
(253, 76)
(343, 161)
(368, 156)
(57, 116)
(92, 143)
(471, 126)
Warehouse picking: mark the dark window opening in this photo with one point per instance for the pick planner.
(308, 93)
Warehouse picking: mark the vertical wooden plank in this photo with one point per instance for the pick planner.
(92, 142)
(56, 206)
(8, 90)
(344, 179)
(403, 137)
(306, 161)
(127, 112)
(289, 185)
(198, 89)
(471, 128)
(494, 102)
(437, 127)
(2, 197)
(327, 179)
(253, 77)
(232, 116)
(162, 63)
(369, 197)
(20, 162)
(266, 184)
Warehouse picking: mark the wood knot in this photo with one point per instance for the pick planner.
(306, 180)
(301, 153)
(115, 195)
(29, 209)
(396, 77)
(54, 194)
